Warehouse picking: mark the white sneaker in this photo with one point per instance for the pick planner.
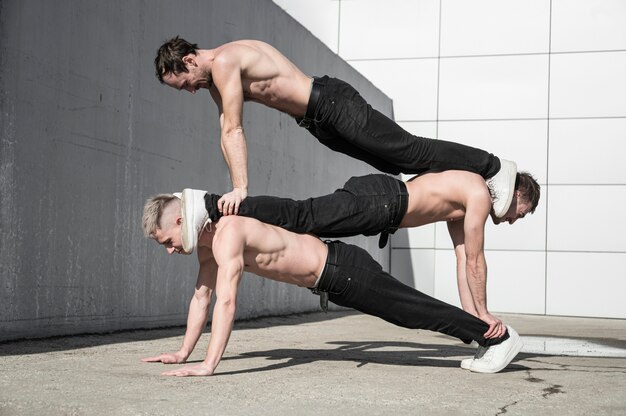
(502, 187)
(195, 217)
(498, 356)
(467, 362)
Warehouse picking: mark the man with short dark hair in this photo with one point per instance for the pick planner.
(379, 203)
(329, 108)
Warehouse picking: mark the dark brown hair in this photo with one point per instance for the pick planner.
(169, 59)
(529, 189)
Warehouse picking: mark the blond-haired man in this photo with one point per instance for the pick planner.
(340, 273)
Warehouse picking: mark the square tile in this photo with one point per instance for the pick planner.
(588, 85)
(586, 218)
(445, 277)
(515, 281)
(320, 17)
(415, 268)
(411, 84)
(383, 29)
(494, 27)
(418, 237)
(586, 284)
(583, 25)
(496, 87)
(522, 141)
(587, 151)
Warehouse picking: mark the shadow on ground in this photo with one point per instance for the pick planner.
(72, 342)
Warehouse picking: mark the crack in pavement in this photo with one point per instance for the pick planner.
(503, 409)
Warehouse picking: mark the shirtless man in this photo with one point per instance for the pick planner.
(379, 203)
(343, 274)
(332, 110)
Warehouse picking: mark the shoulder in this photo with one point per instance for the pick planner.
(235, 227)
(475, 193)
(235, 52)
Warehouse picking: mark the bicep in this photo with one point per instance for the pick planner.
(229, 254)
(217, 98)
(207, 275)
(227, 80)
(474, 232)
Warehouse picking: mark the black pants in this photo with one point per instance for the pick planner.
(365, 205)
(341, 119)
(355, 280)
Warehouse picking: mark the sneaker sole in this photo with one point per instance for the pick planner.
(515, 349)
(187, 225)
(511, 167)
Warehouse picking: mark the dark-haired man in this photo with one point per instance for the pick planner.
(379, 203)
(332, 110)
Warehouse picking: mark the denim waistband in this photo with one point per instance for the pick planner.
(403, 203)
(329, 268)
(316, 91)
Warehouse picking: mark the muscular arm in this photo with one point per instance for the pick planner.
(199, 306)
(455, 228)
(228, 254)
(476, 213)
(197, 316)
(227, 92)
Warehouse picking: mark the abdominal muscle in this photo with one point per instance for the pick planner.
(299, 261)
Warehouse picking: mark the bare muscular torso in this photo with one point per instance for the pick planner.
(268, 77)
(445, 196)
(267, 251)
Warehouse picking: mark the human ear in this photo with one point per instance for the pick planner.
(189, 60)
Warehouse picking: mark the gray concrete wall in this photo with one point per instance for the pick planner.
(88, 133)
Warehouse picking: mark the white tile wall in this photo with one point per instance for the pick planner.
(414, 93)
(502, 104)
(586, 284)
(445, 277)
(420, 128)
(583, 25)
(587, 218)
(320, 17)
(587, 151)
(419, 237)
(494, 27)
(497, 87)
(588, 85)
(528, 233)
(414, 267)
(383, 29)
(522, 141)
(515, 280)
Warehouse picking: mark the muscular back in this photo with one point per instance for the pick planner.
(267, 251)
(446, 196)
(267, 76)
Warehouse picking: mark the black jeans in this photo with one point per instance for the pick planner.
(352, 278)
(341, 119)
(365, 205)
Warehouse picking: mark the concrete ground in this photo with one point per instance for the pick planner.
(340, 363)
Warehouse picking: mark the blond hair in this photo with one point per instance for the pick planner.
(153, 211)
